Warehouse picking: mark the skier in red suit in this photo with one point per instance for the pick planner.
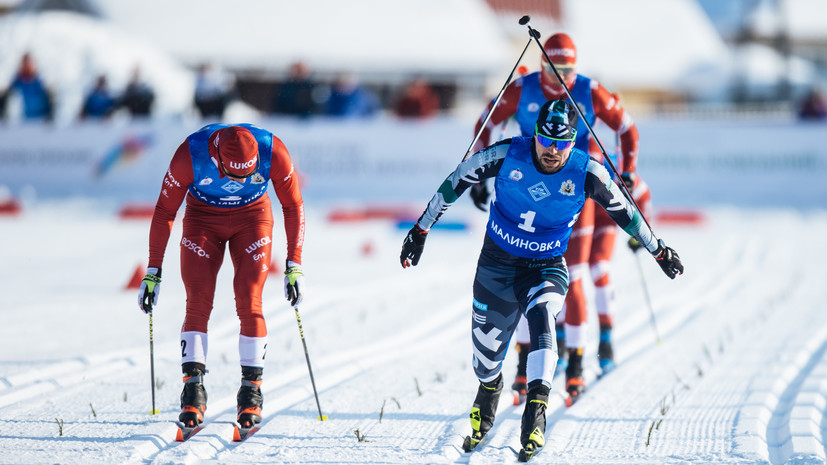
(592, 241)
(224, 171)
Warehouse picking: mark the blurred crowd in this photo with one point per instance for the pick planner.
(299, 94)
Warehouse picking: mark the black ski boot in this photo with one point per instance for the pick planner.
(533, 427)
(575, 384)
(249, 397)
(194, 396)
(605, 352)
(519, 385)
(483, 411)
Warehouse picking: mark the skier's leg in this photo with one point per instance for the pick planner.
(202, 252)
(577, 258)
(495, 315)
(250, 249)
(542, 293)
(522, 344)
(605, 234)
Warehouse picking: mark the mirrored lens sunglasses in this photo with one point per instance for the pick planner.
(546, 141)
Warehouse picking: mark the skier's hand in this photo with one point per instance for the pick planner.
(668, 260)
(293, 283)
(150, 288)
(634, 244)
(412, 246)
(480, 195)
(629, 179)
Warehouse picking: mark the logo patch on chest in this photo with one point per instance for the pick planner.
(539, 191)
(232, 187)
(567, 187)
(515, 175)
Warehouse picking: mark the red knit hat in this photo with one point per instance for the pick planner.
(236, 152)
(560, 49)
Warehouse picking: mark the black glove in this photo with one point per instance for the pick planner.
(480, 195)
(150, 288)
(634, 244)
(668, 260)
(412, 246)
(629, 179)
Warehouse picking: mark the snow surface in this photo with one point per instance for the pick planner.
(739, 377)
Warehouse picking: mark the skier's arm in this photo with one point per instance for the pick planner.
(507, 108)
(608, 109)
(286, 183)
(173, 190)
(482, 165)
(607, 194)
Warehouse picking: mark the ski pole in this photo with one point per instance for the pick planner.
(309, 369)
(534, 34)
(496, 100)
(152, 363)
(648, 299)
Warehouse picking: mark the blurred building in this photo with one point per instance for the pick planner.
(657, 54)
(673, 54)
(454, 44)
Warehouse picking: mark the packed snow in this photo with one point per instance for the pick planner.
(739, 375)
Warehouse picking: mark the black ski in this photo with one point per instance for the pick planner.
(240, 433)
(527, 454)
(185, 432)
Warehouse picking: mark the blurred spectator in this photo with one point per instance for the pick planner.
(214, 90)
(295, 96)
(35, 97)
(418, 101)
(349, 99)
(99, 102)
(138, 96)
(813, 107)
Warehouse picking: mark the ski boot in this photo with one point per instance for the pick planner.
(519, 385)
(249, 397)
(605, 353)
(533, 427)
(575, 384)
(562, 353)
(194, 396)
(483, 411)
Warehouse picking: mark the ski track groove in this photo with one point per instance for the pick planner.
(778, 419)
(576, 430)
(336, 368)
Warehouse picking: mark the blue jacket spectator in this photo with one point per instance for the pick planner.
(99, 102)
(350, 99)
(37, 101)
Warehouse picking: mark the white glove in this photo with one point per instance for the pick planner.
(293, 283)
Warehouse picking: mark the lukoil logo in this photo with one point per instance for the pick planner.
(188, 244)
(259, 243)
(241, 166)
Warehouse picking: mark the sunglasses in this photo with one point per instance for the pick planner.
(564, 71)
(546, 141)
